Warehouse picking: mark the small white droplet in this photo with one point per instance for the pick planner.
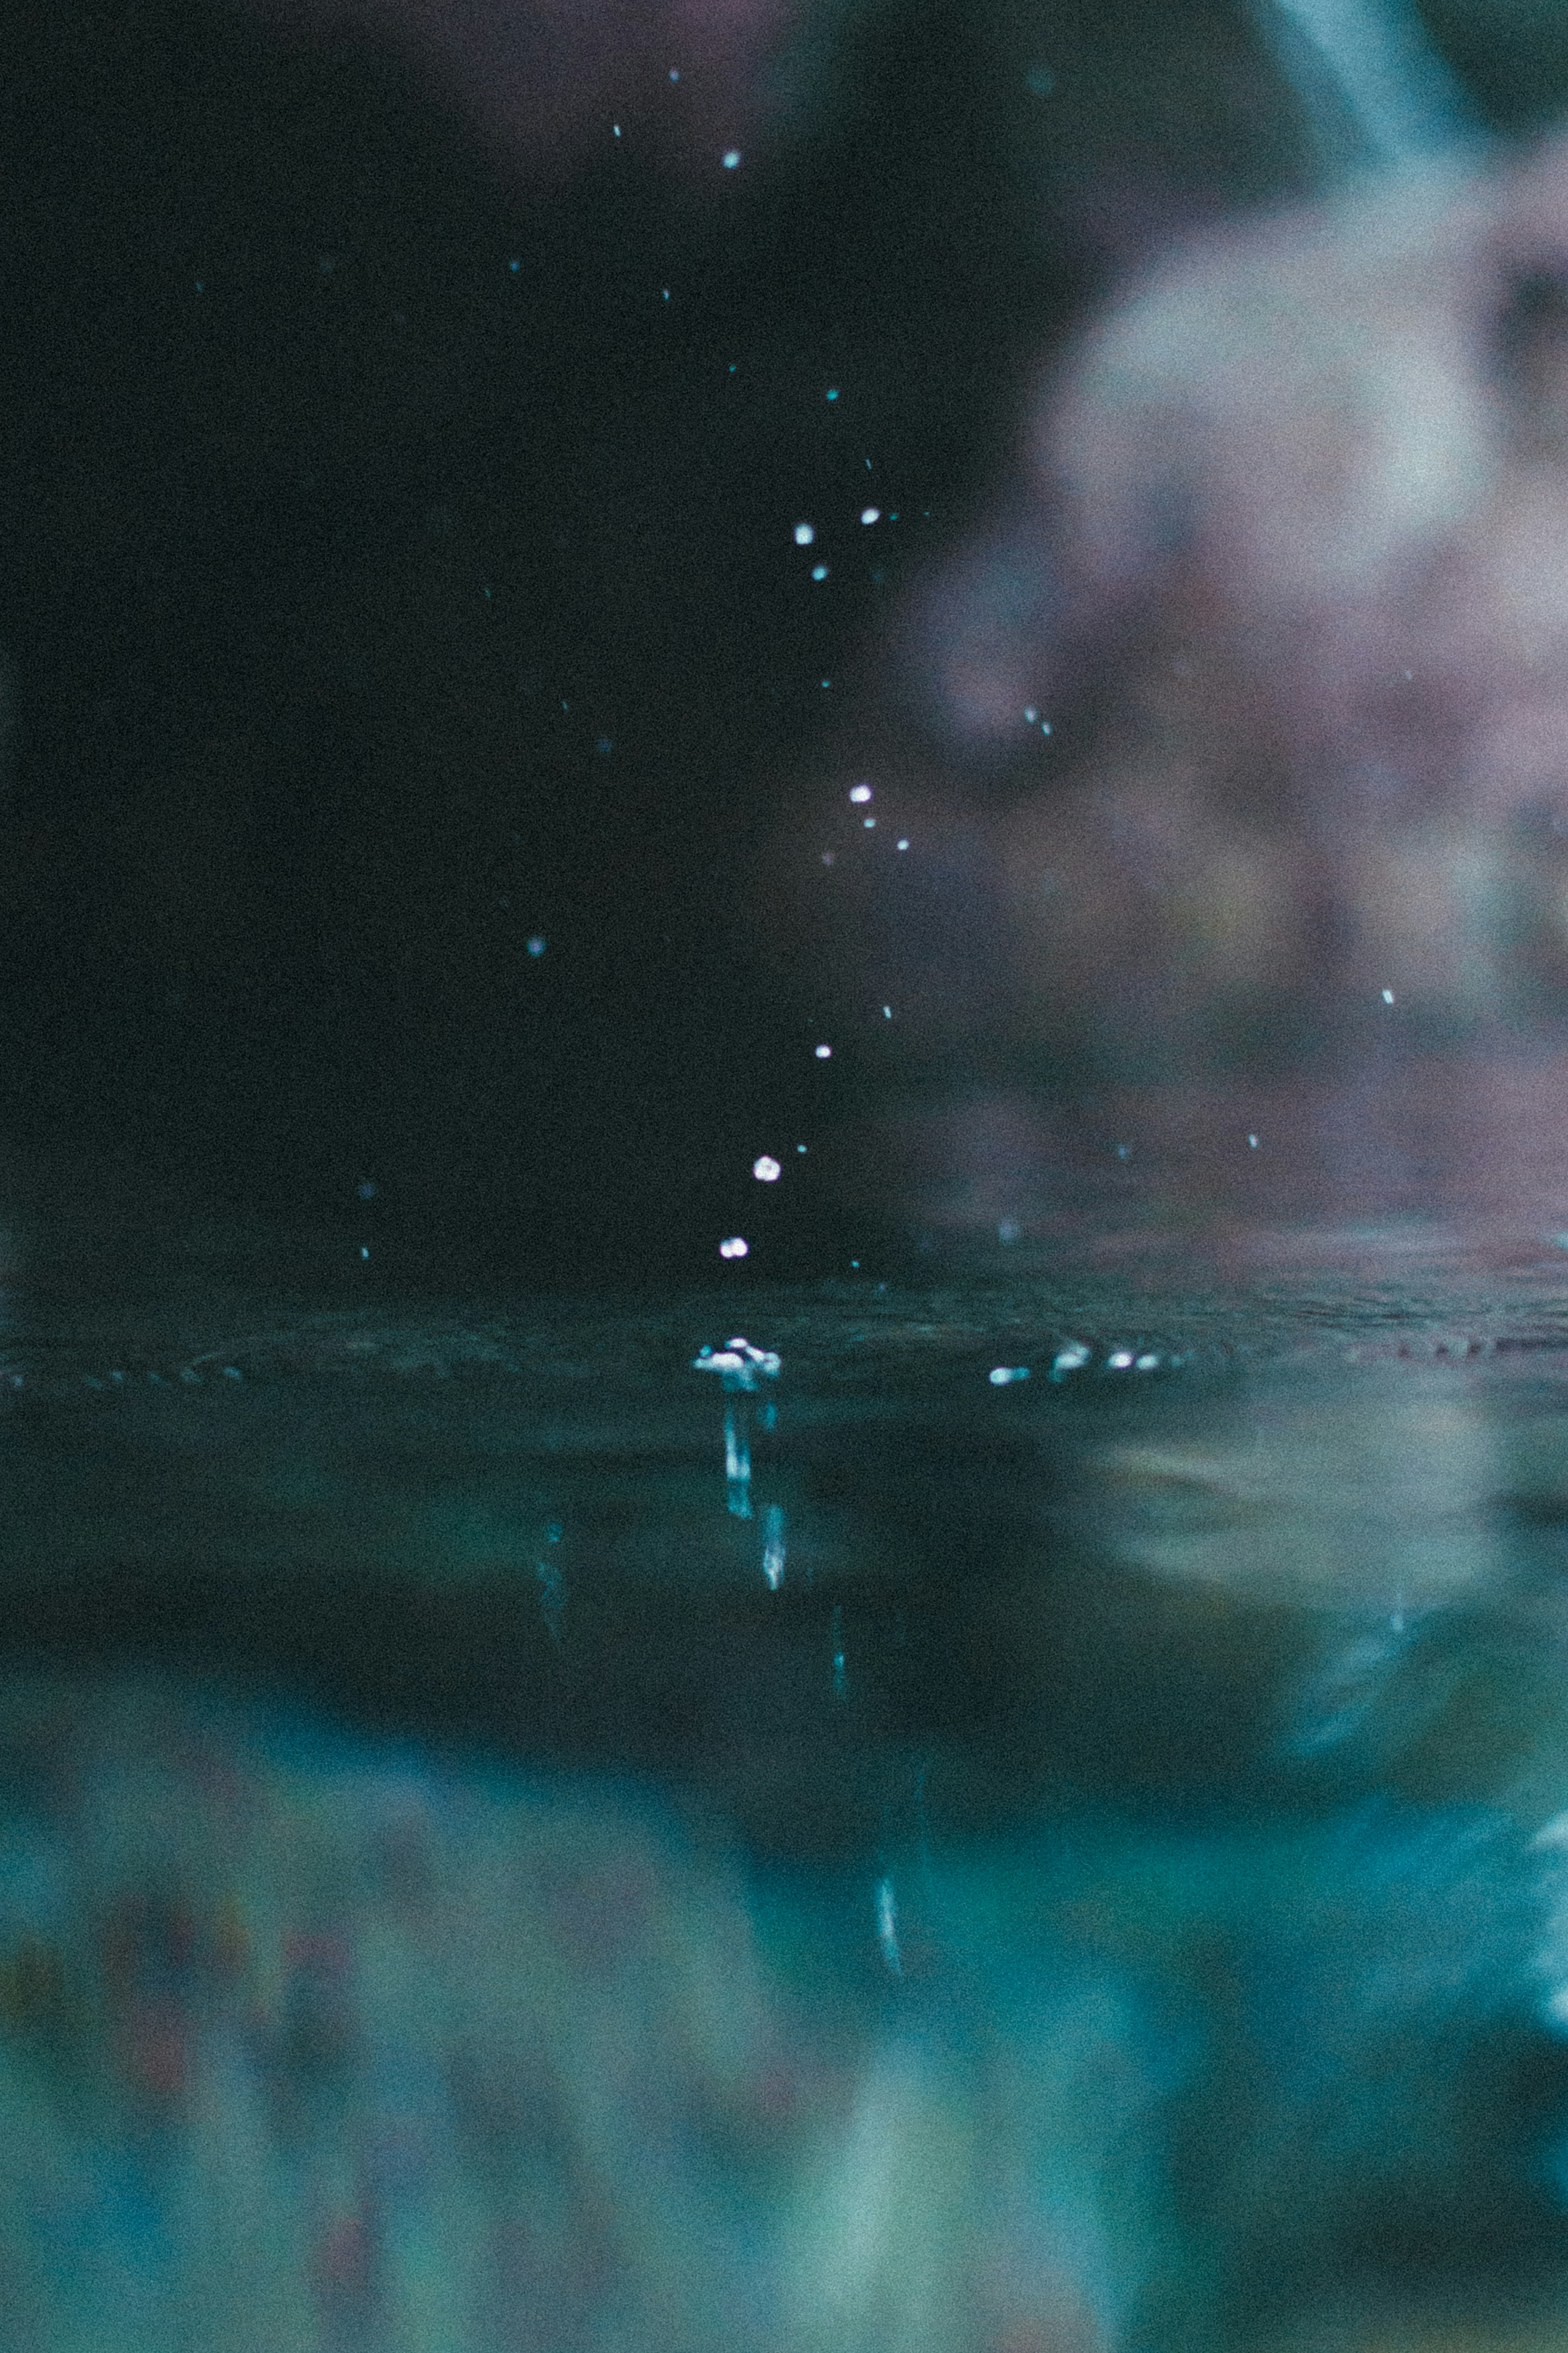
(766, 1168)
(860, 792)
(734, 1247)
(1146, 1363)
(1000, 1375)
(887, 1012)
(1030, 713)
(869, 822)
(1388, 996)
(822, 1053)
(731, 157)
(804, 532)
(902, 845)
(1252, 1142)
(870, 515)
(1120, 1359)
(819, 571)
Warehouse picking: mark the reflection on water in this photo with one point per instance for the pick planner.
(1065, 1855)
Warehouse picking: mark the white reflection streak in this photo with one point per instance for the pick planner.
(739, 1365)
(888, 1926)
(737, 1465)
(773, 1546)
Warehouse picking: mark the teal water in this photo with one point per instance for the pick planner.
(1020, 1815)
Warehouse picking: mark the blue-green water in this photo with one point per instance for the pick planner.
(1034, 1821)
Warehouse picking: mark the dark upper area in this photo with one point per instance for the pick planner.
(395, 574)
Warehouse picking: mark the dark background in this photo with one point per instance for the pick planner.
(393, 573)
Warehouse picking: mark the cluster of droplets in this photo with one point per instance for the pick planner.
(1077, 1357)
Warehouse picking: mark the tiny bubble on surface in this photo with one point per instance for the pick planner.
(536, 944)
(1000, 1375)
(1124, 1151)
(870, 821)
(860, 792)
(1146, 1363)
(1007, 1231)
(1252, 1140)
(364, 1250)
(819, 571)
(731, 157)
(824, 1052)
(901, 845)
(735, 1247)
(766, 1169)
(887, 1012)
(366, 1190)
(800, 1147)
(1031, 714)
(804, 532)
(827, 858)
(1388, 996)
(675, 73)
(870, 515)
(1120, 1360)
(833, 392)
